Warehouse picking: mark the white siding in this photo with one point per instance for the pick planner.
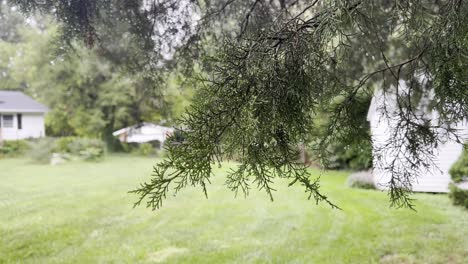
(32, 127)
(437, 179)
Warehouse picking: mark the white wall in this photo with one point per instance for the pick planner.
(32, 127)
(437, 179)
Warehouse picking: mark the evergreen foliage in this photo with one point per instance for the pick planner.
(265, 88)
(270, 67)
(459, 170)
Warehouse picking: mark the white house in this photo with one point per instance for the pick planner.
(21, 117)
(383, 118)
(144, 132)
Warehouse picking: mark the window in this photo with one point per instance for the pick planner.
(20, 120)
(7, 121)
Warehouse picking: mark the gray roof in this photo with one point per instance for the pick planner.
(17, 102)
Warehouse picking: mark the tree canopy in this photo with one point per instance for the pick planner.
(91, 92)
(267, 69)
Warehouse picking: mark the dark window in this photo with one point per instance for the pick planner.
(19, 118)
(7, 121)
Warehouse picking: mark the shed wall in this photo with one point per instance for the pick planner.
(32, 127)
(436, 179)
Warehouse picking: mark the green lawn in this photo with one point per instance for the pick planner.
(81, 213)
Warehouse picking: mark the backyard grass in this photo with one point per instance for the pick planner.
(81, 213)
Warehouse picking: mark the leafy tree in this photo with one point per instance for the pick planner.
(272, 66)
(90, 92)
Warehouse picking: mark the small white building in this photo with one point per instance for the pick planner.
(143, 133)
(383, 119)
(21, 117)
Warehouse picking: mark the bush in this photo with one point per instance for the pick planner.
(62, 144)
(459, 173)
(85, 148)
(356, 156)
(146, 149)
(151, 148)
(14, 148)
(92, 154)
(359, 157)
(458, 196)
(362, 180)
(459, 169)
(41, 150)
(126, 147)
(82, 148)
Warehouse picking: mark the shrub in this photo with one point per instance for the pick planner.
(458, 196)
(92, 154)
(459, 173)
(359, 157)
(41, 150)
(146, 149)
(143, 149)
(14, 148)
(356, 156)
(126, 147)
(62, 144)
(362, 180)
(459, 169)
(86, 148)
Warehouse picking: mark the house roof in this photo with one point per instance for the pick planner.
(144, 132)
(137, 128)
(14, 101)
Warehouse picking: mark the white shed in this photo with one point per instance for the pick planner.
(144, 132)
(383, 118)
(21, 117)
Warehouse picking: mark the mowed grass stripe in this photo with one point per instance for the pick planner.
(81, 213)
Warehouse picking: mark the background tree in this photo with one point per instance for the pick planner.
(90, 92)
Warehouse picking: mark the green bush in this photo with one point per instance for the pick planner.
(62, 144)
(459, 169)
(41, 150)
(126, 147)
(85, 148)
(459, 173)
(92, 154)
(13, 148)
(151, 148)
(458, 196)
(356, 156)
(146, 149)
